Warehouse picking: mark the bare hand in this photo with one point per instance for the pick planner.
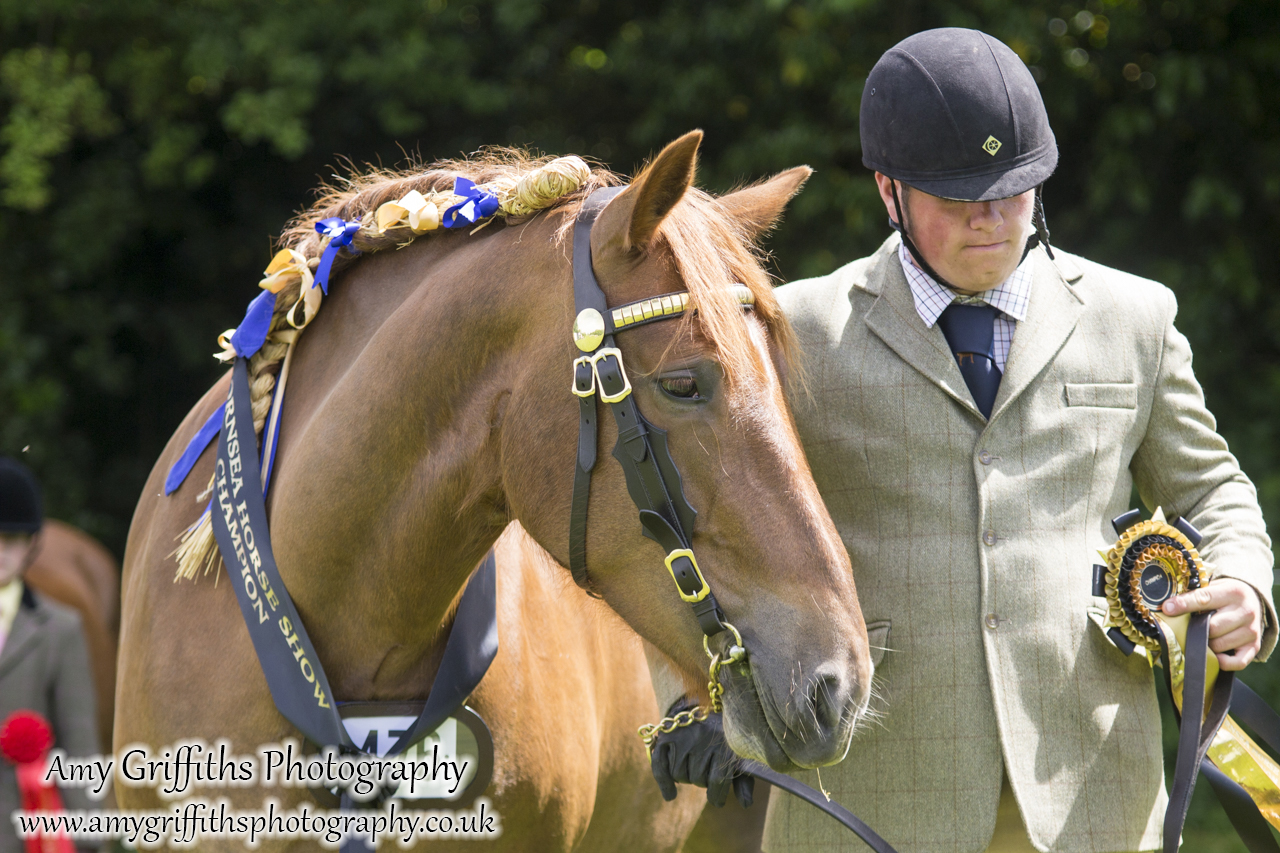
(1235, 631)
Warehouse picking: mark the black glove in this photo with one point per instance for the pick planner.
(699, 755)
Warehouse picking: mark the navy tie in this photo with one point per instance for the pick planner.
(970, 331)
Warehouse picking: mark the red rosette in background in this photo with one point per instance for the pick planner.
(25, 737)
(25, 740)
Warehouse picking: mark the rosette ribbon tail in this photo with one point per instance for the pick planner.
(476, 204)
(340, 233)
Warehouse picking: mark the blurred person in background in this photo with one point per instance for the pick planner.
(44, 665)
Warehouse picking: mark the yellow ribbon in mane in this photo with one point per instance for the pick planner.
(287, 267)
(415, 210)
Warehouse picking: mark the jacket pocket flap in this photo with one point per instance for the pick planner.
(1109, 395)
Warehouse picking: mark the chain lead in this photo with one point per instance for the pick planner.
(649, 732)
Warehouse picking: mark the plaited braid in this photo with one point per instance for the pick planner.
(523, 185)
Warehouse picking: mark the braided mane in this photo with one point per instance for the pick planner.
(710, 250)
(358, 195)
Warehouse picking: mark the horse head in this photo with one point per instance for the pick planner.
(430, 405)
(713, 381)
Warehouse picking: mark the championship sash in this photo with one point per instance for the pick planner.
(294, 673)
(1151, 562)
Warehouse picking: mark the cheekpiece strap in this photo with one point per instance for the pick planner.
(652, 478)
(586, 294)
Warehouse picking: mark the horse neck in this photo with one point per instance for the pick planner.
(389, 469)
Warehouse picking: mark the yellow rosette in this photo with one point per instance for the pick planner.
(1151, 562)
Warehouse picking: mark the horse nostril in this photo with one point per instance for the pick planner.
(826, 700)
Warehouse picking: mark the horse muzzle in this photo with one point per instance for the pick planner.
(809, 724)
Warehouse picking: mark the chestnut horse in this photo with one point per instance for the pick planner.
(428, 407)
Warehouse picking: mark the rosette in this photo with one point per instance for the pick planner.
(1151, 562)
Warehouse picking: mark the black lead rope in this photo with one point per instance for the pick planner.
(293, 670)
(1229, 694)
(821, 801)
(1247, 820)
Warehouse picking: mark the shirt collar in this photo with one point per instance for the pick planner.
(10, 600)
(1011, 296)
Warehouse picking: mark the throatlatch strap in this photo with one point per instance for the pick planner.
(289, 661)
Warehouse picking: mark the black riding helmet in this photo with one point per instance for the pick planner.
(956, 114)
(20, 505)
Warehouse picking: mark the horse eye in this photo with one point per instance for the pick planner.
(684, 387)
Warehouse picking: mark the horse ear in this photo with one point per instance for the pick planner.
(636, 214)
(758, 207)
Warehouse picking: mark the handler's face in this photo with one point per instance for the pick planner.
(974, 245)
(16, 552)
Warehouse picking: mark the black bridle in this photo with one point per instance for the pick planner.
(653, 481)
(652, 478)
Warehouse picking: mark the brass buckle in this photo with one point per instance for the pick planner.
(701, 593)
(586, 359)
(626, 380)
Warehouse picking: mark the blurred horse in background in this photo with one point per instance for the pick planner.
(74, 568)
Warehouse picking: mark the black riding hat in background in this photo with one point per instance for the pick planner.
(20, 505)
(956, 114)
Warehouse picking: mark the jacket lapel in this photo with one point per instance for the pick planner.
(894, 320)
(1052, 313)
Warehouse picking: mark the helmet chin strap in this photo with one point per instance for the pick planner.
(1041, 225)
(901, 227)
(1039, 237)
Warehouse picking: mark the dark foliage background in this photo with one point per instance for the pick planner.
(150, 150)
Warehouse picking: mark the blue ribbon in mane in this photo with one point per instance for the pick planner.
(477, 204)
(247, 339)
(340, 233)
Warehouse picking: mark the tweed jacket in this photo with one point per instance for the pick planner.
(44, 667)
(972, 543)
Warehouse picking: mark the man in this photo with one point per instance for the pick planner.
(977, 411)
(44, 666)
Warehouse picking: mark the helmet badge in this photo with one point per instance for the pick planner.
(992, 145)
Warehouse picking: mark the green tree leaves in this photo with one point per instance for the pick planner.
(53, 99)
(149, 150)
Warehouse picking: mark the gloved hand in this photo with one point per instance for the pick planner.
(699, 755)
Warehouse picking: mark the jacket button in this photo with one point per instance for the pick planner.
(989, 537)
(985, 457)
(992, 621)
